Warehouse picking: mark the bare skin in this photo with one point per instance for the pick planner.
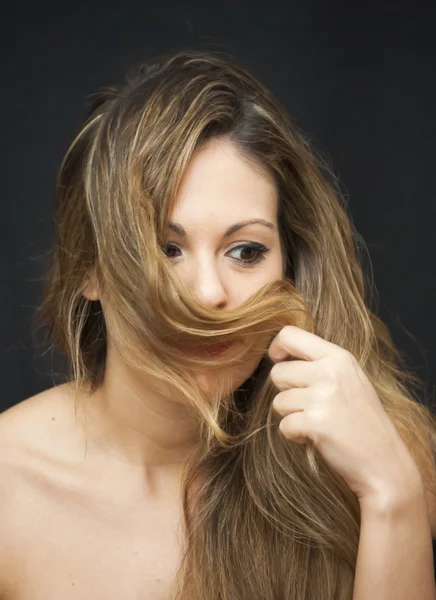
(75, 527)
(108, 525)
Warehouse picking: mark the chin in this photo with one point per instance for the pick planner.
(227, 380)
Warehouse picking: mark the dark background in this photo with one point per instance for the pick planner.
(359, 79)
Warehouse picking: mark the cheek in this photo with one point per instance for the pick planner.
(272, 270)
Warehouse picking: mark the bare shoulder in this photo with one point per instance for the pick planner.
(26, 416)
(30, 439)
(38, 425)
(35, 433)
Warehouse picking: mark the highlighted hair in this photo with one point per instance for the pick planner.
(263, 517)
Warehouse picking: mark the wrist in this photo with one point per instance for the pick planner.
(392, 497)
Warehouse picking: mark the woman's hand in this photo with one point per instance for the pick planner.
(326, 397)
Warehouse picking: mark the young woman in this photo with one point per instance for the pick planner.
(235, 422)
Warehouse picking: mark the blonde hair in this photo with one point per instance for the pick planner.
(264, 517)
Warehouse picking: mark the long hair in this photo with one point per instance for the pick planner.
(263, 517)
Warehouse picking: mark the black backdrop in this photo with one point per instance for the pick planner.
(359, 79)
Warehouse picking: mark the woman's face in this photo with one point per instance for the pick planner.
(224, 261)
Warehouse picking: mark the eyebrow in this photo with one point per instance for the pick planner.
(177, 228)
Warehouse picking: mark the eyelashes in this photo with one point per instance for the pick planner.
(258, 249)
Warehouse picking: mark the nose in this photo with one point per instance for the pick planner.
(208, 286)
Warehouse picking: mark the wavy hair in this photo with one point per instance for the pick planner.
(263, 517)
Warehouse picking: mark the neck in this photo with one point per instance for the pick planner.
(128, 421)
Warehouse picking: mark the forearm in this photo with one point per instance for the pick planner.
(395, 555)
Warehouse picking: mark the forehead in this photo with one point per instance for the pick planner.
(220, 184)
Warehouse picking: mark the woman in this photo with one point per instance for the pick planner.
(199, 244)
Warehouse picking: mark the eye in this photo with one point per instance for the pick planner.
(256, 253)
(168, 252)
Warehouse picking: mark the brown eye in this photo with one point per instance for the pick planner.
(251, 254)
(168, 248)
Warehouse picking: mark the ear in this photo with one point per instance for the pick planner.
(91, 289)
